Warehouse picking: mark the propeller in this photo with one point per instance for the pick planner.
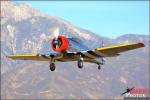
(56, 33)
(57, 42)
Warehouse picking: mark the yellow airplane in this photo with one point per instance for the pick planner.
(72, 49)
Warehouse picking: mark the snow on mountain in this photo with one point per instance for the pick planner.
(18, 11)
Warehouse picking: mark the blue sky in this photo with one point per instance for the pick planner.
(106, 18)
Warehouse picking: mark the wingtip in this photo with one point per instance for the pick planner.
(142, 44)
(7, 56)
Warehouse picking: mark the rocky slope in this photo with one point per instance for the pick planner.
(26, 30)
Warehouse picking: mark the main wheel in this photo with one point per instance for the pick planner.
(52, 66)
(99, 67)
(80, 64)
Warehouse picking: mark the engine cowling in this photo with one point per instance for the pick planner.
(60, 44)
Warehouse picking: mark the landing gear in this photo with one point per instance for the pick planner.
(80, 64)
(99, 66)
(101, 62)
(52, 66)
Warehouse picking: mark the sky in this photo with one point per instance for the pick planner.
(106, 18)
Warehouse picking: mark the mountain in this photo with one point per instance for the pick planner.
(27, 30)
(133, 38)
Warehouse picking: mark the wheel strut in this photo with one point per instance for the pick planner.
(52, 66)
(80, 64)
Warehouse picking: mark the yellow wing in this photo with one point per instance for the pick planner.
(39, 57)
(110, 51)
(29, 57)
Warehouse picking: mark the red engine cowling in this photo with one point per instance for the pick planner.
(60, 44)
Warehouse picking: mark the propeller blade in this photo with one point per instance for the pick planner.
(56, 33)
